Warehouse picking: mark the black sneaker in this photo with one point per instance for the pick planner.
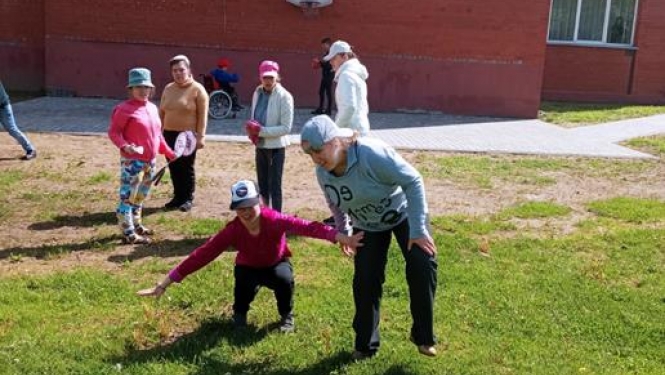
(357, 355)
(172, 204)
(287, 324)
(186, 207)
(29, 155)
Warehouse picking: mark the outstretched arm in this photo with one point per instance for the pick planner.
(157, 290)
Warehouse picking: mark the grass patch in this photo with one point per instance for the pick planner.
(653, 145)
(535, 210)
(576, 114)
(101, 177)
(485, 171)
(600, 295)
(190, 226)
(634, 210)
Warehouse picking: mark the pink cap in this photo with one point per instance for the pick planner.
(268, 68)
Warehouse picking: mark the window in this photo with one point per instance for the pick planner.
(593, 21)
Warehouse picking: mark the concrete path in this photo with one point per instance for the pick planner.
(421, 131)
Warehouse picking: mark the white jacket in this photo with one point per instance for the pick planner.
(279, 118)
(351, 97)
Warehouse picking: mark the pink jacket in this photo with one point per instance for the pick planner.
(137, 122)
(264, 250)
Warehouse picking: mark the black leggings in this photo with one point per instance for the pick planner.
(278, 278)
(183, 174)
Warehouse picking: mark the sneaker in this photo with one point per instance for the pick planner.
(134, 239)
(240, 320)
(357, 355)
(29, 155)
(143, 231)
(186, 207)
(427, 350)
(287, 324)
(172, 204)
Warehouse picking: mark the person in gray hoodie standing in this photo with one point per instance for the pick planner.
(351, 90)
(272, 109)
(367, 182)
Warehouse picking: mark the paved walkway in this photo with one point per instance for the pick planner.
(421, 131)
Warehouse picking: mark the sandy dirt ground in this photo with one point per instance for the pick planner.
(65, 199)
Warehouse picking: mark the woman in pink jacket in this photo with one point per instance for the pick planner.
(137, 131)
(258, 233)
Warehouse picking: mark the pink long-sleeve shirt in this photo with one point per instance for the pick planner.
(137, 122)
(264, 250)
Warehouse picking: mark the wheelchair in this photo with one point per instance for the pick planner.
(220, 104)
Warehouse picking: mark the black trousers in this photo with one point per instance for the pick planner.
(278, 278)
(269, 171)
(369, 275)
(325, 91)
(235, 100)
(183, 174)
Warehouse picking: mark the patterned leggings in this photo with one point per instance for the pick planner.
(135, 183)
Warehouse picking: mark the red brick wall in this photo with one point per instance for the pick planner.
(649, 82)
(460, 56)
(604, 74)
(22, 44)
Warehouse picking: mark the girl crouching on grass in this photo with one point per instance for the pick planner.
(258, 233)
(137, 131)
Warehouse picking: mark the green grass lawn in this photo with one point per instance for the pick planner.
(591, 302)
(516, 294)
(577, 114)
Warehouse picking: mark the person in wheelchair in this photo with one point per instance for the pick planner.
(224, 79)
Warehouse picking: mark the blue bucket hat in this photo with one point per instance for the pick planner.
(319, 130)
(139, 77)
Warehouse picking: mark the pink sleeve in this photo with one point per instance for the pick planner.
(165, 149)
(203, 255)
(117, 127)
(302, 227)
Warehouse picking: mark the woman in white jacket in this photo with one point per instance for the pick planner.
(351, 91)
(272, 108)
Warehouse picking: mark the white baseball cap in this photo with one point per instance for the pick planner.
(339, 46)
(244, 194)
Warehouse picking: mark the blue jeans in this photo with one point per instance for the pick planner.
(8, 122)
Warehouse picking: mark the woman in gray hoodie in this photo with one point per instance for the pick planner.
(369, 184)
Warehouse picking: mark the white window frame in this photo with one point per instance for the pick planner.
(593, 43)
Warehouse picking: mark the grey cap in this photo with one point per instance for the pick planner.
(321, 129)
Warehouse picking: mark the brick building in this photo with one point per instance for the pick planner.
(483, 57)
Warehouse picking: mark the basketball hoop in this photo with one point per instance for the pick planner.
(310, 8)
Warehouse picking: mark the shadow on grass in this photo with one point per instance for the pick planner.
(45, 251)
(85, 220)
(190, 346)
(193, 348)
(163, 248)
